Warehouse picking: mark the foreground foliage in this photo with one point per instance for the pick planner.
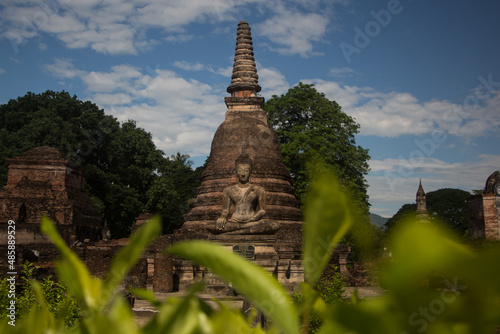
(434, 284)
(331, 289)
(55, 293)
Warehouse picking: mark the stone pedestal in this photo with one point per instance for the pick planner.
(280, 258)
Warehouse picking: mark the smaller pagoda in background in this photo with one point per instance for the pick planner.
(422, 213)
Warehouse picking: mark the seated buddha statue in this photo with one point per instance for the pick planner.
(249, 201)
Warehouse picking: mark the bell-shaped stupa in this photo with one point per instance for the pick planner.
(244, 130)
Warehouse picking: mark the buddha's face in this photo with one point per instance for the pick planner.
(243, 172)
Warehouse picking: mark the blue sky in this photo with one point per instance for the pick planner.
(421, 77)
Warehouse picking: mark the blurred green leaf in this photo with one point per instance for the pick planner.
(257, 285)
(369, 317)
(40, 319)
(327, 219)
(421, 249)
(146, 295)
(226, 321)
(128, 255)
(72, 271)
(117, 319)
(180, 316)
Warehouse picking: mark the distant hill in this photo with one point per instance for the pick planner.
(377, 220)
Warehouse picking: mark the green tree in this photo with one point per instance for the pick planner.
(55, 119)
(121, 162)
(181, 160)
(311, 128)
(125, 171)
(407, 211)
(316, 136)
(450, 206)
(173, 189)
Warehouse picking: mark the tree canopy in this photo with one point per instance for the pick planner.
(317, 136)
(124, 170)
(311, 128)
(448, 206)
(407, 211)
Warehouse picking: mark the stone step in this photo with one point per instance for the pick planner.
(144, 311)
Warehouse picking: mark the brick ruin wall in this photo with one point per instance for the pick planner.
(484, 211)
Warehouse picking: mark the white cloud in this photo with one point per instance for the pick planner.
(189, 66)
(120, 78)
(62, 68)
(293, 31)
(120, 26)
(64, 23)
(113, 99)
(342, 72)
(394, 114)
(105, 28)
(2, 71)
(112, 27)
(224, 71)
(174, 14)
(272, 82)
(182, 114)
(180, 38)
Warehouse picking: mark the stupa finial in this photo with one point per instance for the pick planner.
(244, 78)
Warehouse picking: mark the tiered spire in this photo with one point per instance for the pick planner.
(244, 81)
(244, 86)
(420, 191)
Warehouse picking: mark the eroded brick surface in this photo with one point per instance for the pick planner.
(43, 182)
(484, 211)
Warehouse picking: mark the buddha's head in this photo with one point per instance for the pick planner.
(243, 168)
